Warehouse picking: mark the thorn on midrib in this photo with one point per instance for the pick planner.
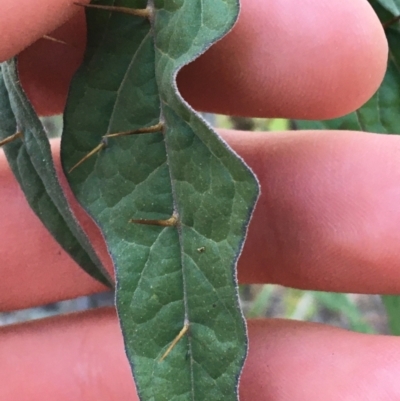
(171, 222)
(103, 144)
(97, 149)
(144, 12)
(147, 130)
(11, 138)
(184, 330)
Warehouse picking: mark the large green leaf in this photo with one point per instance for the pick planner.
(176, 277)
(381, 114)
(32, 164)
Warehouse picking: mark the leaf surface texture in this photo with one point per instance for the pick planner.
(31, 162)
(167, 276)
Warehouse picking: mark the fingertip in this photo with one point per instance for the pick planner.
(314, 60)
(26, 21)
(35, 270)
(46, 67)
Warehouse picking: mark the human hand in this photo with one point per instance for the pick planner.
(327, 219)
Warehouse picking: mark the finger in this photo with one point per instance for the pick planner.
(78, 357)
(57, 62)
(287, 361)
(46, 68)
(327, 218)
(35, 270)
(328, 215)
(315, 59)
(298, 361)
(25, 21)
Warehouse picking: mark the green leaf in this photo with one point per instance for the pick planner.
(392, 6)
(166, 276)
(32, 164)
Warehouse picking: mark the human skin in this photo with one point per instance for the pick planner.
(327, 218)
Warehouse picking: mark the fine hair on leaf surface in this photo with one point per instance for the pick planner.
(160, 197)
(28, 152)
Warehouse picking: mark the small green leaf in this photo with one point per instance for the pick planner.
(171, 279)
(392, 6)
(32, 164)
